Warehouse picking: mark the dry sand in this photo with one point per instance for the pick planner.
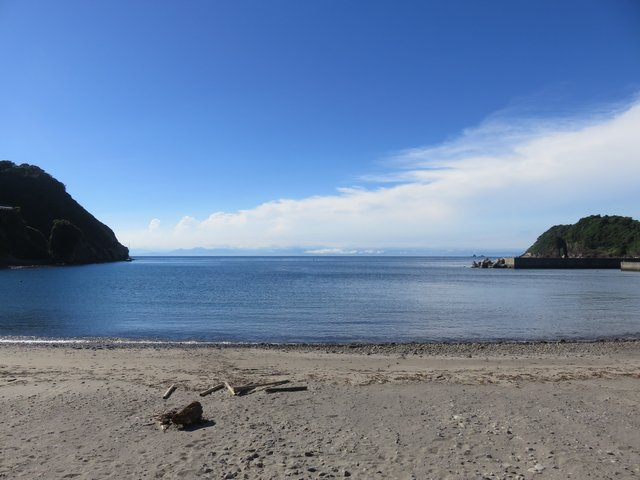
(555, 410)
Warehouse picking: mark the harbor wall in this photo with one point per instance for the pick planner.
(510, 262)
(537, 262)
(630, 266)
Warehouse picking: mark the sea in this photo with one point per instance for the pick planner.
(314, 300)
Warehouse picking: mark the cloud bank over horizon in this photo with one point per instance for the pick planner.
(495, 186)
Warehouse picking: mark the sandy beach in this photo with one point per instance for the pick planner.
(542, 410)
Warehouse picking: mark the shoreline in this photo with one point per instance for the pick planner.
(367, 348)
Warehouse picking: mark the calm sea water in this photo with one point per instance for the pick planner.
(316, 299)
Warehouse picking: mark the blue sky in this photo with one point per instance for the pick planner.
(329, 126)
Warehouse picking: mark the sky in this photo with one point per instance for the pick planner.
(326, 126)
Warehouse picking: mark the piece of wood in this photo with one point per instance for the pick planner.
(251, 386)
(230, 388)
(213, 389)
(171, 389)
(284, 389)
(272, 384)
(243, 389)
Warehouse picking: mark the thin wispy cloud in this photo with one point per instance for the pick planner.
(497, 185)
(499, 135)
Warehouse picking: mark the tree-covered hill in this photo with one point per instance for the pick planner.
(594, 236)
(41, 223)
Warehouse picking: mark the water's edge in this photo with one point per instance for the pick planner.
(403, 348)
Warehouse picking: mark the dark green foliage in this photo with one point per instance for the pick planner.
(43, 203)
(551, 243)
(594, 236)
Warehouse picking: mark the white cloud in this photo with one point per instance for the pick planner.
(342, 251)
(186, 223)
(154, 225)
(496, 186)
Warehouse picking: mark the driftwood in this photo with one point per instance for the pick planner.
(230, 388)
(244, 389)
(189, 415)
(213, 389)
(285, 389)
(164, 419)
(169, 391)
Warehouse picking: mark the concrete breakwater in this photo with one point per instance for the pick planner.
(561, 263)
(630, 266)
(598, 262)
(488, 263)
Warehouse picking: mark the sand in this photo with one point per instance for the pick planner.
(545, 410)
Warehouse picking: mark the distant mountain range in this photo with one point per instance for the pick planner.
(40, 223)
(594, 236)
(315, 252)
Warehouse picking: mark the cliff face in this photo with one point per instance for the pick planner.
(41, 223)
(594, 236)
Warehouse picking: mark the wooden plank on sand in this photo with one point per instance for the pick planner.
(170, 390)
(268, 384)
(241, 390)
(230, 388)
(213, 389)
(284, 389)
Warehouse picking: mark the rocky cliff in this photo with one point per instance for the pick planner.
(40, 223)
